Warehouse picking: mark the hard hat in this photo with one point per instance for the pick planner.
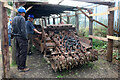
(21, 9)
(31, 16)
(10, 19)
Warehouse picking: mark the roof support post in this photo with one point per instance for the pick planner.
(90, 24)
(119, 28)
(48, 20)
(45, 21)
(68, 20)
(4, 42)
(13, 14)
(110, 33)
(53, 20)
(60, 18)
(85, 21)
(77, 22)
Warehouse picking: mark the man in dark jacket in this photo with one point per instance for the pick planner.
(30, 32)
(19, 31)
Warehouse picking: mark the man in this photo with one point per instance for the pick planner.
(30, 32)
(9, 31)
(19, 31)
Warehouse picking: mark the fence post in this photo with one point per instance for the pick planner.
(53, 20)
(68, 20)
(90, 24)
(60, 18)
(119, 29)
(4, 42)
(48, 20)
(77, 22)
(110, 33)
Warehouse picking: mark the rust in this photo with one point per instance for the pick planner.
(68, 50)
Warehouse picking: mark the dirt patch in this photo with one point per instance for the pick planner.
(41, 69)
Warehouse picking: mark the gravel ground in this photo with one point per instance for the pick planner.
(39, 68)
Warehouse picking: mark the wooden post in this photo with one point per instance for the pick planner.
(90, 24)
(119, 29)
(13, 41)
(77, 22)
(68, 20)
(42, 23)
(45, 21)
(60, 18)
(4, 42)
(85, 21)
(53, 20)
(110, 33)
(48, 20)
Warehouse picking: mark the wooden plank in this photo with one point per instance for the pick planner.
(114, 8)
(105, 13)
(110, 33)
(92, 19)
(98, 38)
(9, 7)
(113, 37)
(5, 48)
(63, 19)
(96, 20)
(99, 14)
(29, 8)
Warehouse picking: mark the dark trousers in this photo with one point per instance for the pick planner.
(9, 39)
(21, 52)
(30, 39)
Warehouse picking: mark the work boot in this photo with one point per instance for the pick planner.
(24, 70)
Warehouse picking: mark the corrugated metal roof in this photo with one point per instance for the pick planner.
(40, 10)
(32, 0)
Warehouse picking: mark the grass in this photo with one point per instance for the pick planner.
(116, 55)
(97, 31)
(95, 67)
(10, 49)
(0, 55)
(98, 44)
(59, 76)
(13, 64)
(87, 65)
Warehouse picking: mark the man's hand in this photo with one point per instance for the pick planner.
(46, 34)
(39, 32)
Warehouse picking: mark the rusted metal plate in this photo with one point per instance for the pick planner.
(87, 46)
(85, 40)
